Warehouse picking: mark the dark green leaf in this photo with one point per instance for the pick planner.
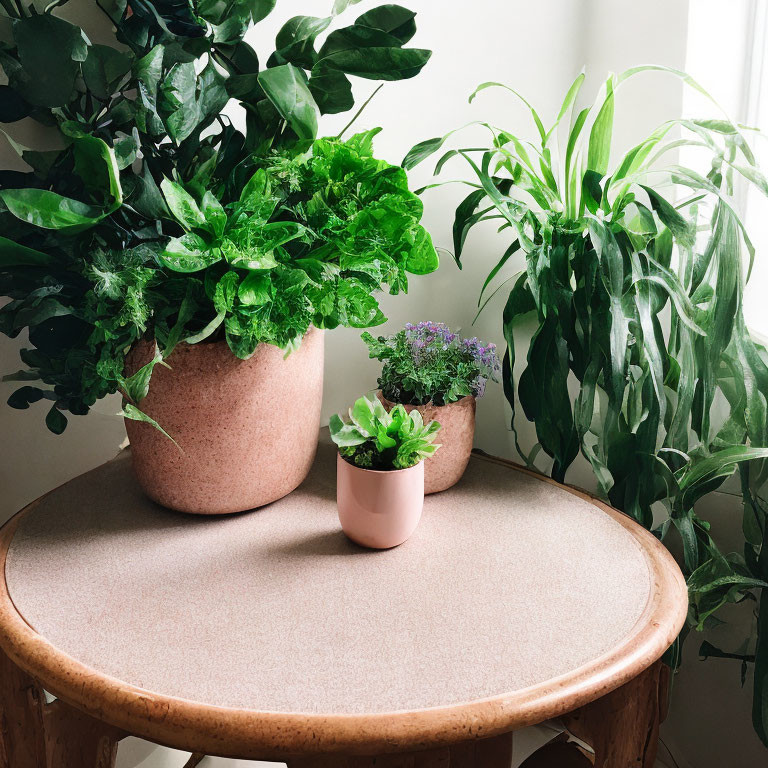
(50, 50)
(148, 71)
(681, 228)
(103, 70)
(14, 255)
(331, 90)
(23, 396)
(393, 19)
(96, 165)
(12, 106)
(178, 101)
(371, 53)
(286, 87)
(55, 420)
(295, 41)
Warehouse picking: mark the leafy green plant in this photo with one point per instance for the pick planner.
(312, 236)
(427, 362)
(633, 272)
(154, 216)
(374, 438)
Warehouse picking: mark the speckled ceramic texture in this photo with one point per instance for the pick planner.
(246, 429)
(455, 438)
(379, 510)
(484, 621)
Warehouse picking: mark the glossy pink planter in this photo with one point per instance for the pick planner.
(379, 509)
(456, 437)
(247, 428)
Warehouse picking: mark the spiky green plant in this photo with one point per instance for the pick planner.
(634, 273)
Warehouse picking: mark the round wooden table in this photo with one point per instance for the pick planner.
(269, 635)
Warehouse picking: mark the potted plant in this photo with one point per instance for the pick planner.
(158, 243)
(429, 368)
(380, 471)
(632, 268)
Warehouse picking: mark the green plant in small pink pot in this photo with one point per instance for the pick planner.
(380, 471)
(429, 368)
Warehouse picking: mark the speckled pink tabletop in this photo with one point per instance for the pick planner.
(507, 582)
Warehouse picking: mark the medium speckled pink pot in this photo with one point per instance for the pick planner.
(247, 428)
(379, 509)
(456, 437)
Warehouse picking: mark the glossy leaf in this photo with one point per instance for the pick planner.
(189, 253)
(287, 88)
(255, 289)
(96, 164)
(49, 210)
(183, 206)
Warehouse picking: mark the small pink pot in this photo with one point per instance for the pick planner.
(456, 437)
(379, 509)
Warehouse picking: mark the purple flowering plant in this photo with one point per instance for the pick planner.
(427, 362)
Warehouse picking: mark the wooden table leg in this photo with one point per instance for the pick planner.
(22, 740)
(34, 734)
(75, 740)
(481, 753)
(622, 727)
(495, 752)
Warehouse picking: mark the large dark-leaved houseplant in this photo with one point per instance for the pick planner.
(632, 269)
(160, 251)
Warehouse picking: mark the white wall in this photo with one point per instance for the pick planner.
(538, 48)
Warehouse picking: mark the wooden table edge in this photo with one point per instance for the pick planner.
(243, 733)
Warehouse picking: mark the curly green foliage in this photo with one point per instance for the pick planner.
(86, 229)
(373, 438)
(314, 234)
(427, 362)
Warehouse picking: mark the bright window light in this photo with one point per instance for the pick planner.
(737, 78)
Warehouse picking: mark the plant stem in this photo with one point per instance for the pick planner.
(359, 111)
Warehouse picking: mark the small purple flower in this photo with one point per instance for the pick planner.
(427, 361)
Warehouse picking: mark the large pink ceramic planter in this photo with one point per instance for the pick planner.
(456, 437)
(379, 509)
(247, 429)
